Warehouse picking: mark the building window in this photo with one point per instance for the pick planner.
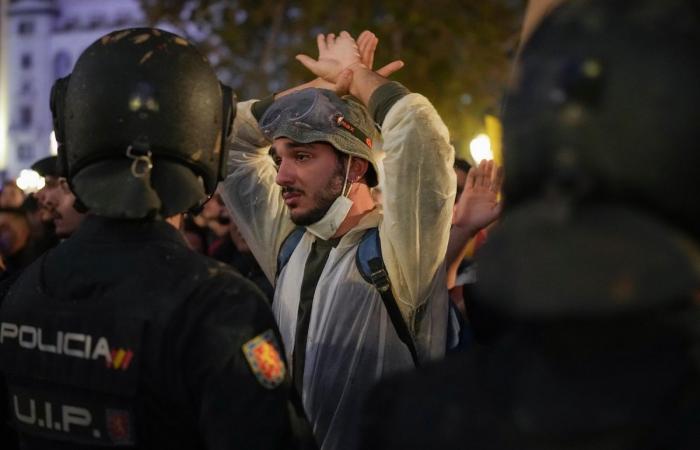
(26, 61)
(25, 116)
(62, 64)
(25, 28)
(25, 152)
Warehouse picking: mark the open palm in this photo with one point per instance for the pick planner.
(478, 206)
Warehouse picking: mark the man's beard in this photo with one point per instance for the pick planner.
(324, 199)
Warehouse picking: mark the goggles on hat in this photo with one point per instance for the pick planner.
(311, 110)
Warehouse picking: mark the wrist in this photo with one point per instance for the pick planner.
(364, 82)
(467, 230)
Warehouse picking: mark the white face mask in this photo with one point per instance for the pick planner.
(336, 214)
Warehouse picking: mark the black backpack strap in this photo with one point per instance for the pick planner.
(371, 266)
(287, 248)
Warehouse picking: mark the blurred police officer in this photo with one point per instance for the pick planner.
(122, 336)
(595, 268)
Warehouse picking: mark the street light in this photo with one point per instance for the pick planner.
(480, 148)
(29, 181)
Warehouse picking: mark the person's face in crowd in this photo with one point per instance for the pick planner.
(14, 233)
(461, 181)
(311, 176)
(45, 212)
(212, 208)
(60, 201)
(11, 196)
(216, 215)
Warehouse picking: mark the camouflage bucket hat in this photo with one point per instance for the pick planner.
(319, 115)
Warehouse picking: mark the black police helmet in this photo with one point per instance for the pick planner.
(141, 123)
(601, 163)
(606, 107)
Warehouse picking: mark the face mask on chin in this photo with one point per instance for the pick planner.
(328, 225)
(331, 221)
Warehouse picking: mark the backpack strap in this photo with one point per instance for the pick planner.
(287, 248)
(371, 266)
(370, 263)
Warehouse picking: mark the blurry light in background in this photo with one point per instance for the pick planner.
(30, 181)
(480, 148)
(54, 143)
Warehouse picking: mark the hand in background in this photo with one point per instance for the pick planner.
(478, 206)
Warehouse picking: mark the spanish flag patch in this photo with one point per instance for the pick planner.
(263, 356)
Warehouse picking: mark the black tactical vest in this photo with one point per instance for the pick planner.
(95, 369)
(72, 369)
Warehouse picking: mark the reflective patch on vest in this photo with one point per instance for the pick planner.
(263, 356)
(79, 419)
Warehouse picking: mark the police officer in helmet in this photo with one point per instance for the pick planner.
(122, 335)
(594, 269)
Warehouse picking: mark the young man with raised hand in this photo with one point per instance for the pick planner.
(338, 333)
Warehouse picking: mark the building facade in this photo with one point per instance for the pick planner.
(40, 41)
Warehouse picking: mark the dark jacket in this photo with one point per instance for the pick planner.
(607, 385)
(123, 336)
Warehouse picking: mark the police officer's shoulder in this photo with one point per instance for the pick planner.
(223, 278)
(227, 318)
(221, 291)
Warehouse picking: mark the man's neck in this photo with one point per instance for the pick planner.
(362, 204)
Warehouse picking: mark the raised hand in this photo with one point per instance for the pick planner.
(345, 66)
(367, 44)
(478, 205)
(334, 55)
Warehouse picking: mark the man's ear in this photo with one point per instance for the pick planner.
(358, 169)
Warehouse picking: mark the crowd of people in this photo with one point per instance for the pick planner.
(317, 270)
